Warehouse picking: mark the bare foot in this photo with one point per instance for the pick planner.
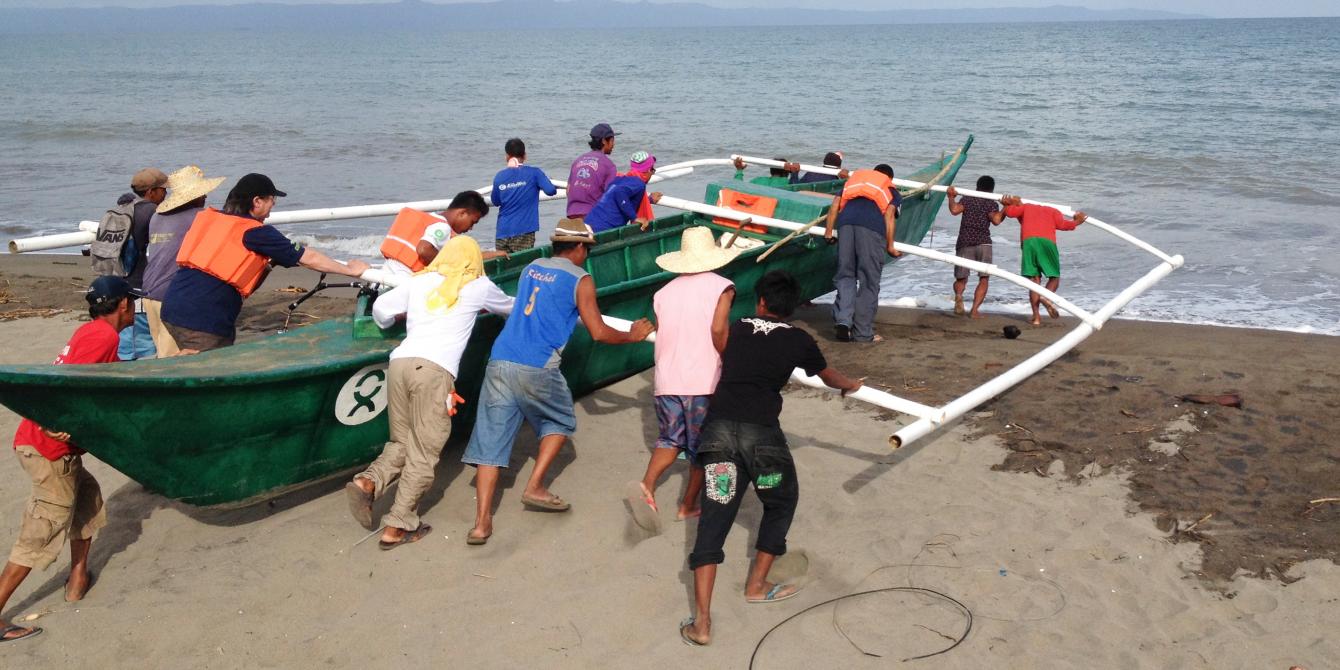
(1037, 321)
(958, 304)
(77, 587)
(976, 315)
(479, 534)
(1051, 310)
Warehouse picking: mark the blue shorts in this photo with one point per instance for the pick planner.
(680, 418)
(136, 340)
(513, 392)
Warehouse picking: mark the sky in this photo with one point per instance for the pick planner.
(1214, 8)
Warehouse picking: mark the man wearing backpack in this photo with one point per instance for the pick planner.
(121, 249)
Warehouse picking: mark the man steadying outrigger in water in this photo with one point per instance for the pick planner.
(1037, 245)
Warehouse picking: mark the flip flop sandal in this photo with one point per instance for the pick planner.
(643, 505)
(411, 536)
(552, 504)
(360, 505)
(684, 627)
(32, 632)
(772, 596)
(476, 540)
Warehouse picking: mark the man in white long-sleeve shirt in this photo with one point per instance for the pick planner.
(439, 305)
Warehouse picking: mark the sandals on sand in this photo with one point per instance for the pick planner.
(551, 504)
(410, 536)
(360, 505)
(476, 540)
(32, 632)
(684, 627)
(775, 595)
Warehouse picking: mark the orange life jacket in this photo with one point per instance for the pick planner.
(760, 205)
(213, 245)
(402, 240)
(871, 185)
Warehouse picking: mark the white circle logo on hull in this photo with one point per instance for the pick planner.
(364, 397)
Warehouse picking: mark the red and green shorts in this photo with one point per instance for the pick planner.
(1039, 257)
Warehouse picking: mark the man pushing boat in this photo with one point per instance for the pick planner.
(439, 305)
(66, 501)
(742, 444)
(522, 380)
(224, 258)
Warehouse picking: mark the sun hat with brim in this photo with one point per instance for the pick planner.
(583, 235)
(186, 185)
(698, 252)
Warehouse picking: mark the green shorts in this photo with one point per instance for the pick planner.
(1039, 257)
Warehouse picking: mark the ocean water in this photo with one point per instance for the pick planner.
(1215, 139)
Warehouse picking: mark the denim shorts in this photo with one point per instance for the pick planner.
(513, 392)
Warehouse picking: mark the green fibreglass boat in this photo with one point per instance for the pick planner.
(248, 422)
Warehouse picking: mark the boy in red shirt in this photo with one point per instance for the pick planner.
(1037, 245)
(66, 500)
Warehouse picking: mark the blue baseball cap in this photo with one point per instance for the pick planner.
(107, 289)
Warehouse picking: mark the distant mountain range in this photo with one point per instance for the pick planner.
(513, 14)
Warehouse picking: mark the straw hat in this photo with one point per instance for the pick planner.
(698, 252)
(186, 185)
(568, 231)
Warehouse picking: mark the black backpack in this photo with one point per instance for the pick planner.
(113, 249)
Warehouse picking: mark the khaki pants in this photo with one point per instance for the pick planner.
(66, 502)
(162, 338)
(420, 426)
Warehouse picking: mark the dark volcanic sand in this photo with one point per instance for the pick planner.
(1254, 468)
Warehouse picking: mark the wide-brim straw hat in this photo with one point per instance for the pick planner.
(186, 185)
(698, 252)
(573, 231)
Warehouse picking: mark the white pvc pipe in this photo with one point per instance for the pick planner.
(722, 212)
(864, 394)
(1064, 209)
(62, 240)
(45, 242)
(1029, 366)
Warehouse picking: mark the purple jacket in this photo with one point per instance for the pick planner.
(591, 174)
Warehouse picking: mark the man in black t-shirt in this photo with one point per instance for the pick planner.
(742, 442)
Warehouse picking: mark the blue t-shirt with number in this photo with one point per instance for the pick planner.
(544, 316)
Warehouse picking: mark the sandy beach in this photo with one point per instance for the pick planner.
(1090, 517)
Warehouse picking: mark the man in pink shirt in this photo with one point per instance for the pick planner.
(692, 319)
(1037, 245)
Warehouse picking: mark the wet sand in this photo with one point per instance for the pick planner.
(1057, 506)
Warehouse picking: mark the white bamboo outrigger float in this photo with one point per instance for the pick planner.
(928, 419)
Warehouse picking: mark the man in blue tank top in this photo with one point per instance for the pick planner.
(522, 380)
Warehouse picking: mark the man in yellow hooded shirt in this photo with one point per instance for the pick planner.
(439, 305)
